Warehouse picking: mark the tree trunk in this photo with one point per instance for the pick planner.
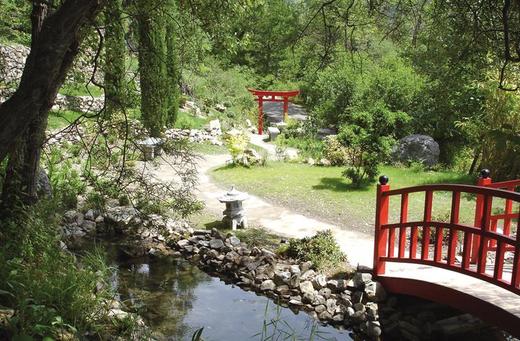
(49, 60)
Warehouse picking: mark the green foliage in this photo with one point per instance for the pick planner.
(236, 144)
(368, 140)
(321, 249)
(214, 84)
(360, 84)
(115, 55)
(65, 180)
(189, 121)
(50, 291)
(15, 25)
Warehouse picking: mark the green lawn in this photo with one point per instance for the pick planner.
(323, 192)
(61, 119)
(81, 90)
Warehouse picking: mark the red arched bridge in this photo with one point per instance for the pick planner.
(474, 267)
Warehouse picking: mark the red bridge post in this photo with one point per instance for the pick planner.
(483, 180)
(381, 236)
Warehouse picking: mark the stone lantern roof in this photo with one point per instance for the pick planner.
(233, 195)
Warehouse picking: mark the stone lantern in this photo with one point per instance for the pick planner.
(150, 147)
(234, 215)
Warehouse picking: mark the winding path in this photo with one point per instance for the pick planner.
(280, 220)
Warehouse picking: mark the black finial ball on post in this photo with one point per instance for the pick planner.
(383, 180)
(485, 173)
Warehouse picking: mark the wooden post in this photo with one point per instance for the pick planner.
(285, 108)
(381, 236)
(260, 115)
(483, 180)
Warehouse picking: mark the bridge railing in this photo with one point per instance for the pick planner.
(399, 242)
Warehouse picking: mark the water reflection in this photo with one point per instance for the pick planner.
(175, 299)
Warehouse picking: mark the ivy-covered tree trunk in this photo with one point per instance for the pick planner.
(115, 51)
(173, 64)
(152, 65)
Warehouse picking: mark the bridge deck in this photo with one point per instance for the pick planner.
(487, 301)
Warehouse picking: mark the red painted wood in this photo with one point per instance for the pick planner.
(260, 116)
(285, 108)
(428, 202)
(482, 229)
(381, 235)
(507, 219)
(403, 219)
(484, 226)
(454, 219)
(478, 217)
(271, 96)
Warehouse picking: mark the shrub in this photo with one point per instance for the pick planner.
(368, 138)
(334, 151)
(236, 142)
(321, 249)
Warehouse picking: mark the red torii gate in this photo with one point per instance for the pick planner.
(272, 96)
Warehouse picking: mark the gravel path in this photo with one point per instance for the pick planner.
(274, 218)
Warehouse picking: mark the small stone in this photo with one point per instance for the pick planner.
(282, 289)
(234, 241)
(308, 274)
(99, 219)
(295, 269)
(375, 292)
(306, 287)
(90, 215)
(361, 279)
(373, 329)
(294, 282)
(293, 301)
(216, 244)
(88, 226)
(331, 305)
(183, 243)
(319, 282)
(320, 309)
(325, 316)
(325, 292)
(267, 285)
(318, 300)
(282, 277)
(359, 307)
(305, 266)
(338, 318)
(350, 311)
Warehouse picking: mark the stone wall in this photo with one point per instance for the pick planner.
(12, 63)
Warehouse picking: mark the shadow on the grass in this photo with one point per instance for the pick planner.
(340, 185)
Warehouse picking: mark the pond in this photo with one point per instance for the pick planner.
(176, 299)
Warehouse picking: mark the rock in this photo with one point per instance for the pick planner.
(318, 300)
(420, 148)
(311, 161)
(295, 269)
(99, 219)
(307, 275)
(305, 266)
(338, 318)
(294, 301)
(325, 162)
(273, 133)
(216, 244)
(373, 329)
(325, 292)
(375, 292)
(359, 307)
(294, 282)
(267, 285)
(319, 282)
(306, 287)
(183, 243)
(291, 154)
(88, 226)
(350, 311)
(283, 289)
(360, 279)
(234, 241)
(122, 216)
(320, 309)
(371, 309)
(331, 305)
(5, 315)
(337, 285)
(324, 132)
(90, 215)
(70, 216)
(282, 277)
(43, 185)
(325, 316)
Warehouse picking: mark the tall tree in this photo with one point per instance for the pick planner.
(172, 64)
(115, 52)
(152, 64)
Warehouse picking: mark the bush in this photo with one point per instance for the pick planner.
(334, 151)
(368, 139)
(321, 249)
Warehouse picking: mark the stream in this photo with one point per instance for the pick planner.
(175, 299)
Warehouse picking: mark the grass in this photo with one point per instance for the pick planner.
(324, 193)
(61, 119)
(81, 90)
(206, 148)
(186, 120)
